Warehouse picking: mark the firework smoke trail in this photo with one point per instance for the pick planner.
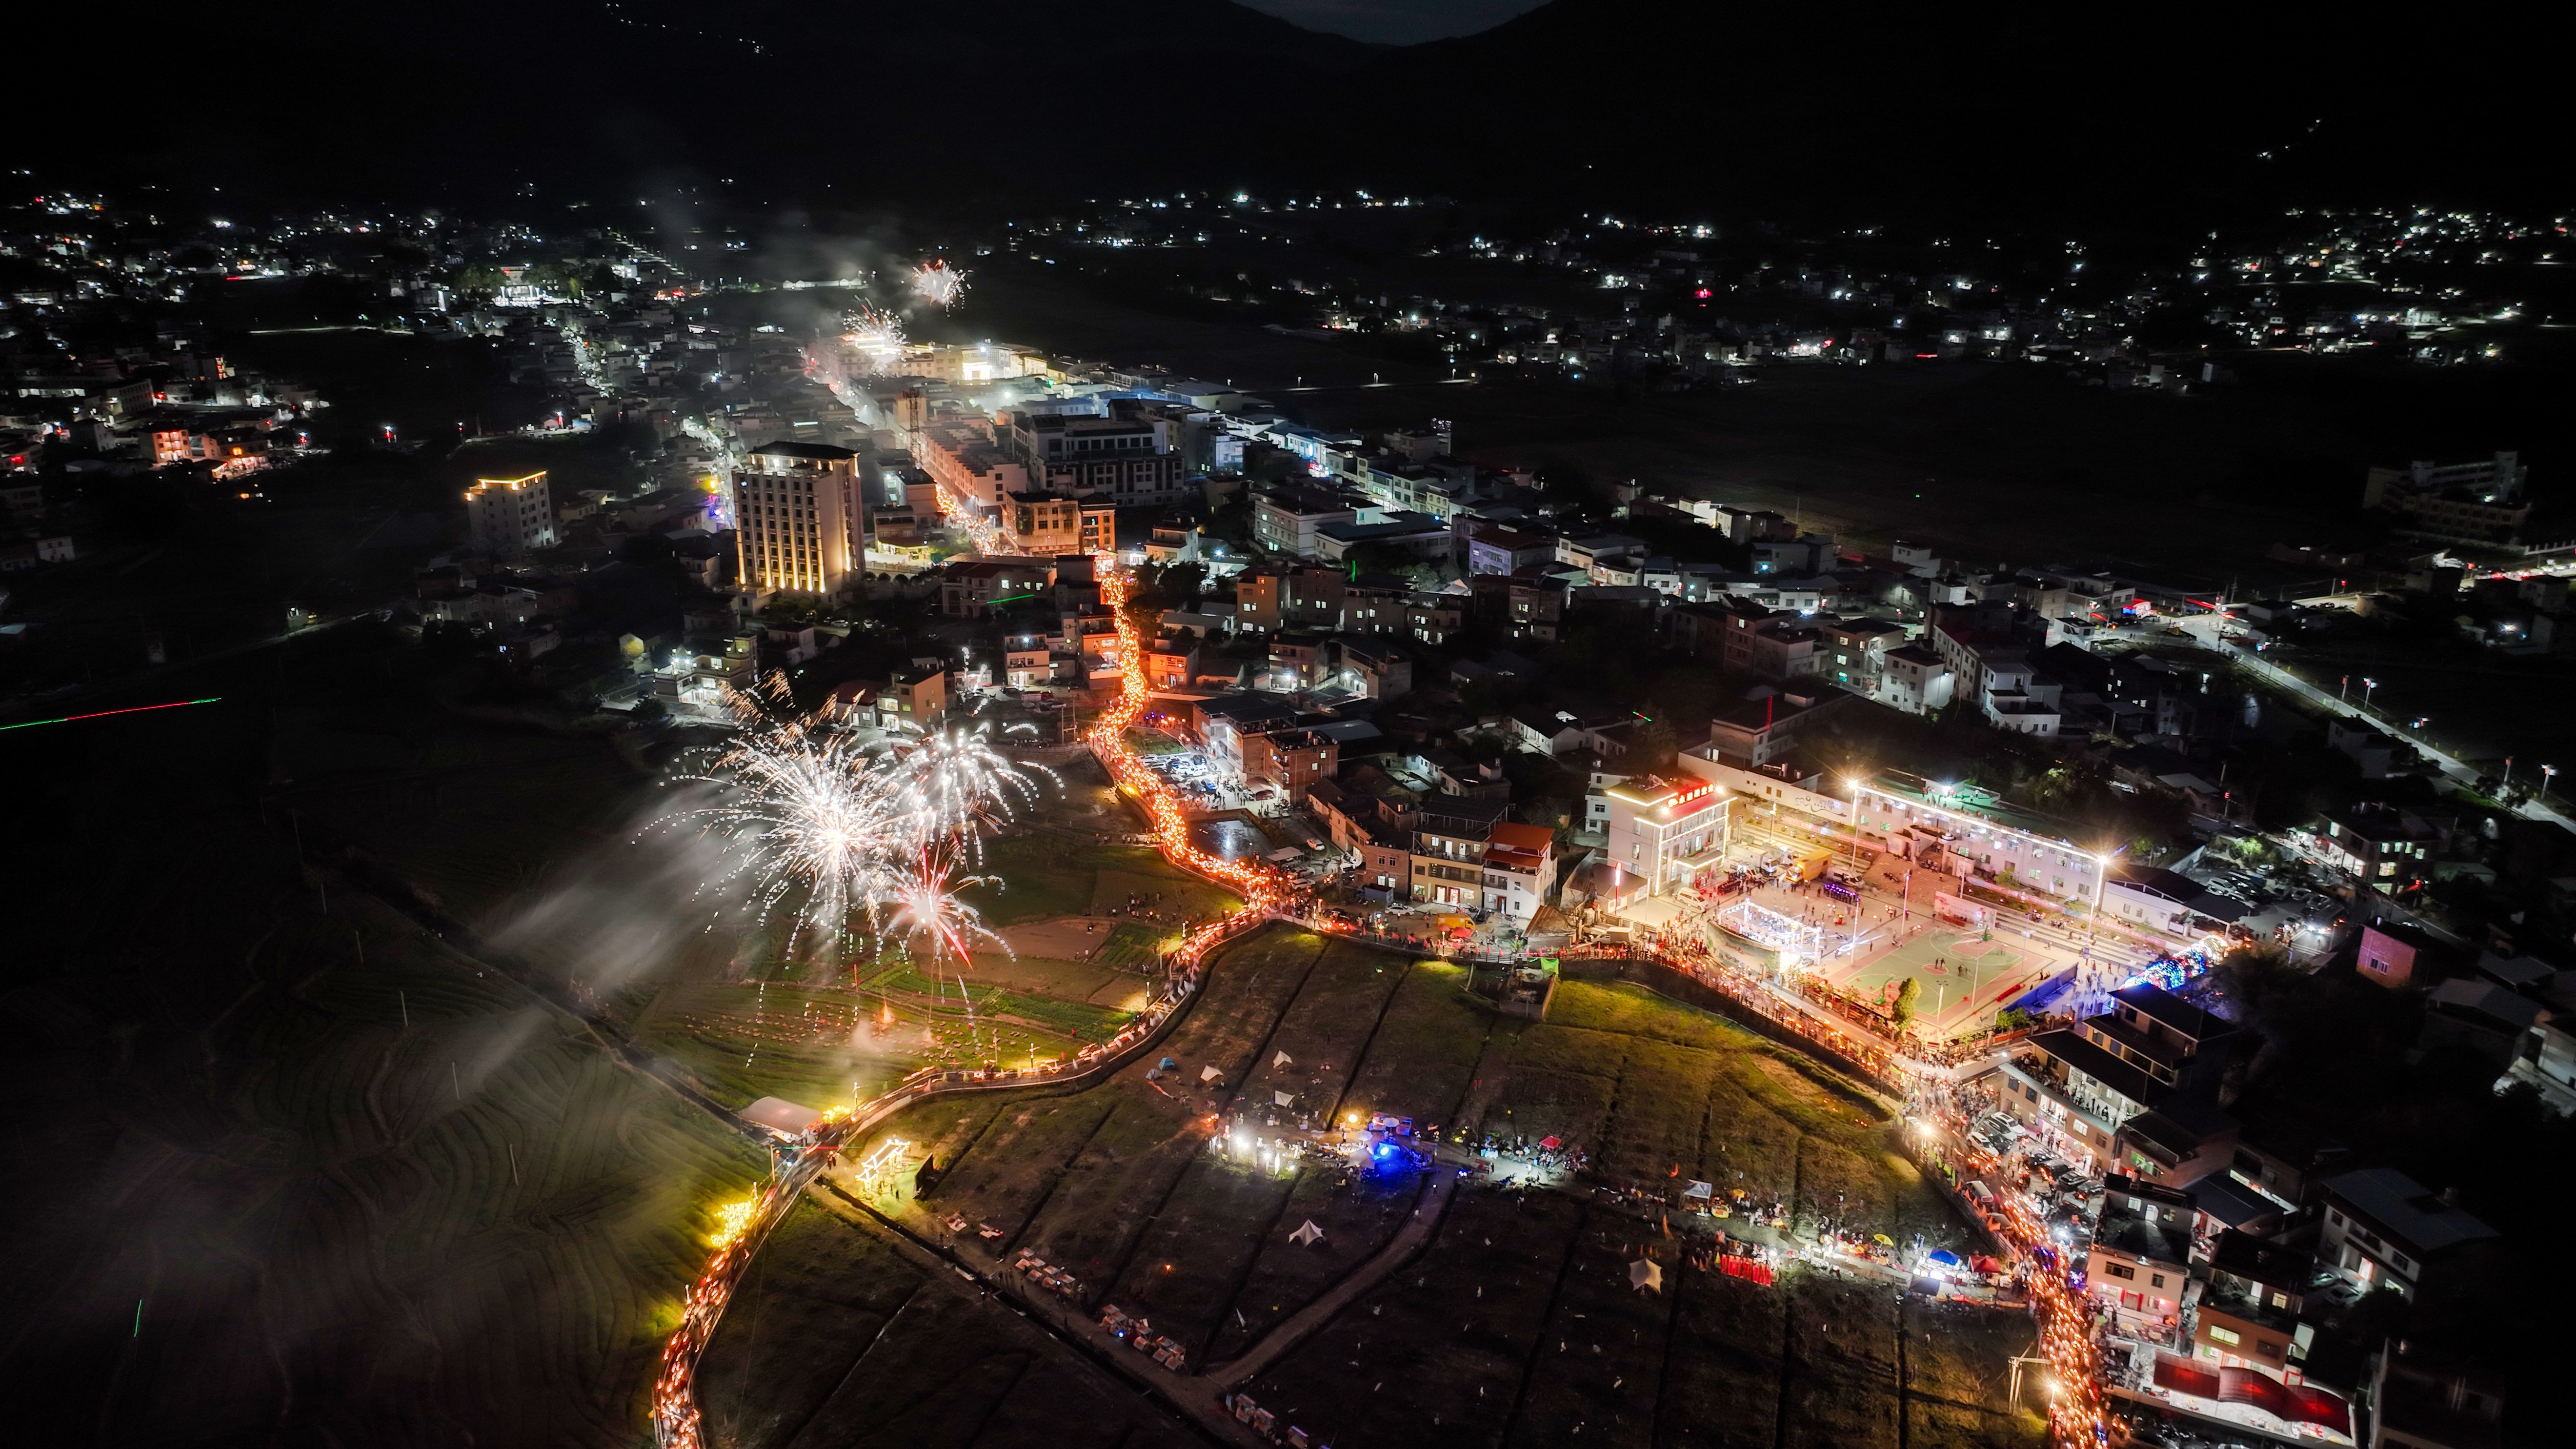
(939, 284)
(877, 337)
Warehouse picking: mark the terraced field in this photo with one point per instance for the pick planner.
(311, 1178)
(1118, 1182)
(1518, 1327)
(836, 1341)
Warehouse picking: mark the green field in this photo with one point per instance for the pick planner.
(1517, 1325)
(1046, 876)
(1648, 1085)
(1117, 1182)
(1134, 948)
(1963, 980)
(821, 1047)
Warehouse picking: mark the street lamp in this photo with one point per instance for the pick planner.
(2367, 685)
(2547, 774)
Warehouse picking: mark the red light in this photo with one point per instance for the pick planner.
(1703, 294)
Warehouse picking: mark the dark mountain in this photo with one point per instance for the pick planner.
(2015, 111)
(476, 99)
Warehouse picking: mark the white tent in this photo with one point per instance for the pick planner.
(1698, 1189)
(1307, 1234)
(1645, 1273)
(1209, 1074)
(1282, 1059)
(1281, 1098)
(787, 1119)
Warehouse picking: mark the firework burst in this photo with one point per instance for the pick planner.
(850, 837)
(939, 284)
(957, 785)
(877, 337)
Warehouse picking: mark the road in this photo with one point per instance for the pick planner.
(2208, 631)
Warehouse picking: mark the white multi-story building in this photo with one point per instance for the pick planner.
(1969, 833)
(1520, 865)
(511, 515)
(1915, 680)
(1667, 830)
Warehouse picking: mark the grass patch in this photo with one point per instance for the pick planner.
(1551, 1047)
(1539, 1104)
(1076, 1019)
(1165, 893)
(1662, 1106)
(1046, 876)
(1426, 1048)
(1132, 947)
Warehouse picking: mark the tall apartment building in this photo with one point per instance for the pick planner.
(511, 515)
(799, 522)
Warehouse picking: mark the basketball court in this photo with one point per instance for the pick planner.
(1964, 981)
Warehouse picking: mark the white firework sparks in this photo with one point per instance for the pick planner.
(848, 836)
(877, 337)
(956, 785)
(939, 284)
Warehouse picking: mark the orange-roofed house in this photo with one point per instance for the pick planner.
(1520, 865)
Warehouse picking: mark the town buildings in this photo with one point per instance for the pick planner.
(1045, 525)
(2076, 1086)
(1125, 456)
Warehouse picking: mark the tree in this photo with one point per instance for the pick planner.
(1906, 997)
(1655, 743)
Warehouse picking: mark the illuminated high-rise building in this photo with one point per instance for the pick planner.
(798, 519)
(511, 515)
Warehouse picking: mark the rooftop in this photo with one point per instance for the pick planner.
(2402, 1208)
(2069, 1048)
(2172, 1012)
